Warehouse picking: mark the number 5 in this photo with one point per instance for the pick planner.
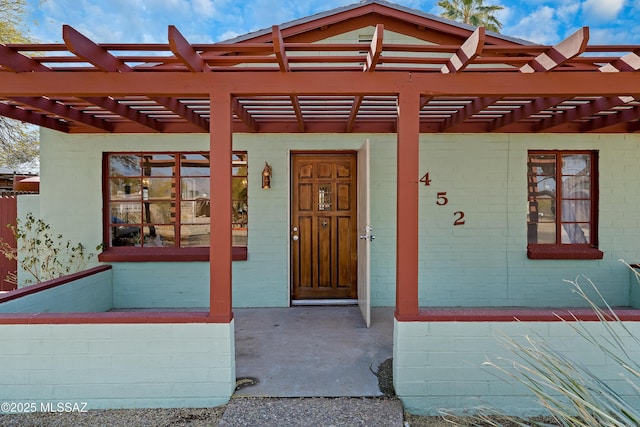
(442, 198)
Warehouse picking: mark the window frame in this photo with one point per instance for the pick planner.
(151, 253)
(559, 250)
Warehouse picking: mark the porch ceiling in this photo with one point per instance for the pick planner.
(480, 85)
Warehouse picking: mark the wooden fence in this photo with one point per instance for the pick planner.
(8, 215)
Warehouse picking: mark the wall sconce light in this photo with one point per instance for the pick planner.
(266, 176)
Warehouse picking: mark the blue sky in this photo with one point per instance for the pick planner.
(205, 21)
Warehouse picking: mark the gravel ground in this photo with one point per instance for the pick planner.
(118, 417)
(310, 411)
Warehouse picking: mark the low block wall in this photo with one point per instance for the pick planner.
(118, 365)
(438, 364)
(90, 291)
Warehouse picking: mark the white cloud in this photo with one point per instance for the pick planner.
(204, 8)
(602, 10)
(540, 26)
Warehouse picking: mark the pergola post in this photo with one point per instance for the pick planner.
(220, 252)
(407, 204)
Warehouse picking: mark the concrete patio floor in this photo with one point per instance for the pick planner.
(311, 351)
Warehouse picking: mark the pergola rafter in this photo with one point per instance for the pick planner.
(285, 80)
(373, 57)
(559, 54)
(283, 63)
(46, 104)
(469, 50)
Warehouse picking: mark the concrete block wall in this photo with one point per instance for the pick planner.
(484, 262)
(480, 263)
(118, 365)
(160, 284)
(438, 365)
(91, 294)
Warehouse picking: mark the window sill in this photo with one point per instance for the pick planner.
(563, 252)
(134, 254)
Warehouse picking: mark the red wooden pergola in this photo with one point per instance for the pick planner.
(460, 79)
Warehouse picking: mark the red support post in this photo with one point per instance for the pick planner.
(221, 135)
(407, 204)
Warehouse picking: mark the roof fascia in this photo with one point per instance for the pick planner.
(379, 8)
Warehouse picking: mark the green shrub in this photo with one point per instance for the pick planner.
(43, 255)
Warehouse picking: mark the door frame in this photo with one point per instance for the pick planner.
(290, 153)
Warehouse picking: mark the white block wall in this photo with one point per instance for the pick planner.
(118, 365)
(438, 365)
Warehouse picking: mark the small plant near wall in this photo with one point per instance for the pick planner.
(572, 394)
(43, 255)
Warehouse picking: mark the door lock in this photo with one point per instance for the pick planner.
(367, 234)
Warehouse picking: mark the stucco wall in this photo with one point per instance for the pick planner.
(118, 365)
(438, 365)
(482, 262)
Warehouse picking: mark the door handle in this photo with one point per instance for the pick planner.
(294, 236)
(367, 234)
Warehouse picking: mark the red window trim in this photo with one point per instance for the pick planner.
(571, 251)
(151, 254)
(563, 252)
(164, 254)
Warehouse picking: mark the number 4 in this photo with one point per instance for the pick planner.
(426, 179)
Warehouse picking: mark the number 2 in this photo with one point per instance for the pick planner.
(460, 218)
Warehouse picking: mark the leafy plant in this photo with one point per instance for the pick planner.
(43, 255)
(572, 393)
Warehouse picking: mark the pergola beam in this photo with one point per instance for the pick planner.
(62, 110)
(256, 83)
(283, 63)
(373, 57)
(375, 49)
(474, 107)
(624, 115)
(105, 61)
(580, 111)
(564, 51)
(279, 50)
(244, 115)
(174, 104)
(89, 51)
(469, 50)
(629, 62)
(37, 119)
(534, 107)
(17, 62)
(184, 51)
(113, 106)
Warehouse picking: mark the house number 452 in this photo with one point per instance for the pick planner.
(442, 200)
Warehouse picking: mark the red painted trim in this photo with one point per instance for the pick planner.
(514, 315)
(407, 221)
(221, 149)
(111, 318)
(38, 287)
(169, 254)
(563, 252)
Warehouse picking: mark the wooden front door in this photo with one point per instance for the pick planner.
(324, 254)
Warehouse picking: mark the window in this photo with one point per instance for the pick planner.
(162, 200)
(562, 217)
